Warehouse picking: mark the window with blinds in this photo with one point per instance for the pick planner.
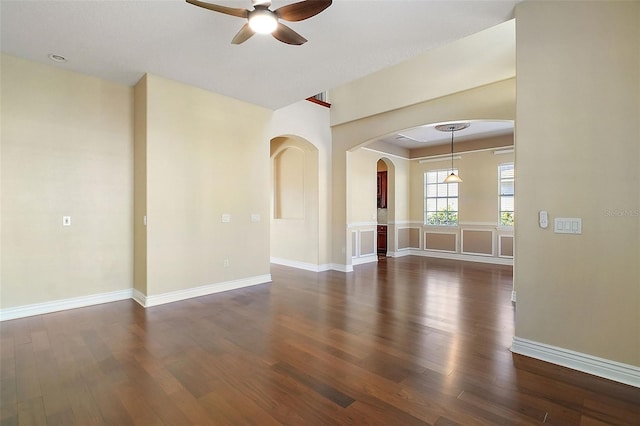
(440, 199)
(506, 180)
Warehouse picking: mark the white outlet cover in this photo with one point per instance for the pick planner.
(226, 218)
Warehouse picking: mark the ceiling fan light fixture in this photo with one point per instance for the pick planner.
(263, 21)
(266, 21)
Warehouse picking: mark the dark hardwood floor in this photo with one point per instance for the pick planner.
(407, 341)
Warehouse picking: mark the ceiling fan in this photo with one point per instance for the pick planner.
(264, 20)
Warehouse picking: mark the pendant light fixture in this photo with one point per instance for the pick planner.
(452, 127)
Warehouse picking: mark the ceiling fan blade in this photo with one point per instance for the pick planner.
(240, 13)
(302, 10)
(287, 35)
(243, 35)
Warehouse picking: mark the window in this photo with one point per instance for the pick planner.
(440, 199)
(506, 176)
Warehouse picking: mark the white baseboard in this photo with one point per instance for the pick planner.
(188, 293)
(63, 305)
(364, 259)
(312, 267)
(399, 253)
(465, 257)
(341, 268)
(301, 265)
(145, 301)
(139, 297)
(612, 370)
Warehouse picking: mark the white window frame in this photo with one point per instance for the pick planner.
(444, 173)
(502, 195)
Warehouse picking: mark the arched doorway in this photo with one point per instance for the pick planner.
(385, 198)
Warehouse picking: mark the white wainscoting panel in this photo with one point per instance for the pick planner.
(505, 246)
(469, 246)
(438, 245)
(367, 242)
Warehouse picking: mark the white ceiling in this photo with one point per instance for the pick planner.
(428, 135)
(121, 40)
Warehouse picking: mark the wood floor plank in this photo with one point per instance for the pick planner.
(27, 384)
(8, 401)
(191, 407)
(137, 404)
(610, 410)
(31, 412)
(375, 412)
(229, 406)
(84, 407)
(499, 412)
(62, 418)
(409, 340)
(111, 408)
(318, 386)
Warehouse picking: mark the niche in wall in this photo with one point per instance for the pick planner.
(288, 191)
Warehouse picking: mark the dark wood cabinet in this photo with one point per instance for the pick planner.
(382, 239)
(382, 190)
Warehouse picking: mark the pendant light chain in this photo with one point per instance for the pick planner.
(452, 127)
(452, 149)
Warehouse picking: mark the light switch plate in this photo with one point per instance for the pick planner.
(567, 225)
(255, 217)
(66, 220)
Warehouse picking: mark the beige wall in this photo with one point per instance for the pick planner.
(577, 155)
(140, 187)
(362, 186)
(294, 238)
(399, 189)
(207, 155)
(67, 150)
